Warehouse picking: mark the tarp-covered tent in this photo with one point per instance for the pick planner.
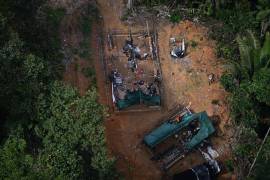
(170, 128)
(131, 98)
(138, 97)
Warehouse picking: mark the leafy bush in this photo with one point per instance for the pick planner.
(125, 15)
(72, 133)
(86, 24)
(89, 72)
(229, 165)
(227, 81)
(84, 53)
(193, 44)
(243, 106)
(247, 143)
(175, 17)
(15, 163)
(225, 51)
(206, 8)
(55, 16)
(261, 86)
(151, 3)
(215, 101)
(62, 134)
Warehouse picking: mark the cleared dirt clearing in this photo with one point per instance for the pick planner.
(185, 80)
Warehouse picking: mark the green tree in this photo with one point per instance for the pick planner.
(72, 135)
(253, 56)
(260, 86)
(243, 107)
(4, 35)
(22, 78)
(61, 134)
(26, 66)
(15, 163)
(245, 149)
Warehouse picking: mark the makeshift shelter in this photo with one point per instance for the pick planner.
(171, 127)
(138, 97)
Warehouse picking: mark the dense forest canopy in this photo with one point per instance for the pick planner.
(49, 131)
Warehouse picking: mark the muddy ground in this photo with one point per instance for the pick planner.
(185, 81)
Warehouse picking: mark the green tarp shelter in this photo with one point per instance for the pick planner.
(138, 97)
(170, 128)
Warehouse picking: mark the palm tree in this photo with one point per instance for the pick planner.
(263, 15)
(253, 56)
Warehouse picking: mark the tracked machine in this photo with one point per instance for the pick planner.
(181, 132)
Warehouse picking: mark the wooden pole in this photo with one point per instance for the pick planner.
(149, 39)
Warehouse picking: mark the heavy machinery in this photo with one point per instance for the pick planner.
(184, 130)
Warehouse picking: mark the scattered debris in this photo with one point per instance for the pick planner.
(132, 80)
(110, 41)
(213, 153)
(211, 78)
(206, 171)
(162, 11)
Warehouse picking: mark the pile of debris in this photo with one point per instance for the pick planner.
(206, 171)
(133, 53)
(178, 49)
(162, 11)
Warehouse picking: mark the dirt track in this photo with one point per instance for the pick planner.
(183, 84)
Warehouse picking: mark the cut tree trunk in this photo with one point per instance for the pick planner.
(214, 6)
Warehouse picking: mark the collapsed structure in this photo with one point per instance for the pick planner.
(134, 70)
